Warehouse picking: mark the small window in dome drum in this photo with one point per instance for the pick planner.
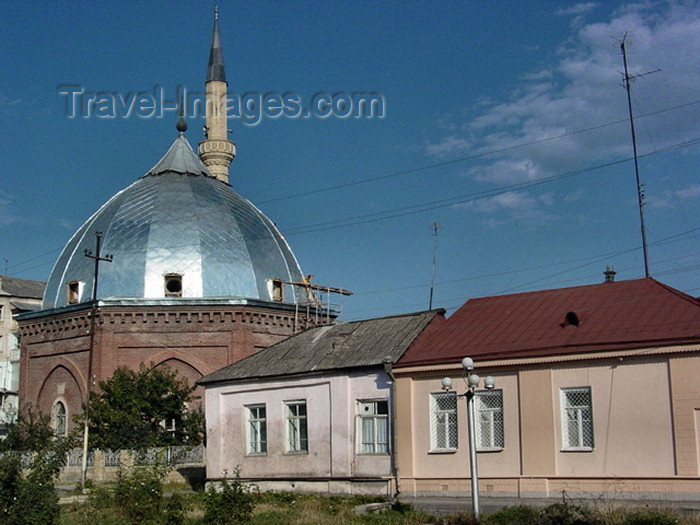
(173, 285)
(277, 290)
(73, 292)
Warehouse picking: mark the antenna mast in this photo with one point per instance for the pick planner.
(436, 227)
(640, 188)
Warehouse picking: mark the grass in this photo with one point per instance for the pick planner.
(286, 508)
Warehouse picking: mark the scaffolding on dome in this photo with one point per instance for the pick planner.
(323, 311)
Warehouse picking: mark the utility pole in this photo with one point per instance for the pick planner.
(93, 314)
(640, 188)
(436, 227)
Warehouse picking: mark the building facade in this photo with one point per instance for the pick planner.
(16, 296)
(175, 270)
(313, 412)
(595, 396)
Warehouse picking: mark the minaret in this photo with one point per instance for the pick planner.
(216, 151)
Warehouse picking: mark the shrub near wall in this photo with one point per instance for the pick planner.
(30, 461)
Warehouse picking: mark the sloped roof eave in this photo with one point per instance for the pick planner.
(546, 351)
(408, 370)
(343, 346)
(295, 375)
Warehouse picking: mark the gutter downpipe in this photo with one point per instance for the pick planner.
(392, 428)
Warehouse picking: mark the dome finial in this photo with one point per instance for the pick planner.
(181, 124)
(216, 11)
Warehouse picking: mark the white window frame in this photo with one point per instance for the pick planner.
(490, 418)
(256, 429)
(297, 427)
(372, 418)
(444, 426)
(577, 417)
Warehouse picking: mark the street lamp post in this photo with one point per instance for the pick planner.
(472, 382)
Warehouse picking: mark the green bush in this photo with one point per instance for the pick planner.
(30, 461)
(650, 517)
(233, 503)
(567, 514)
(518, 515)
(175, 509)
(463, 518)
(138, 494)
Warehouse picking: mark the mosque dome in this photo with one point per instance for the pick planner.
(176, 234)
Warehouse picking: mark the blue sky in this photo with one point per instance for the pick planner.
(506, 124)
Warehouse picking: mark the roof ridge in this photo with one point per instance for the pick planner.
(678, 293)
(394, 316)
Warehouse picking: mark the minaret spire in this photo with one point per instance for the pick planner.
(216, 151)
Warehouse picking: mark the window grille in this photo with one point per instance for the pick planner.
(373, 422)
(297, 439)
(489, 420)
(443, 421)
(257, 429)
(577, 418)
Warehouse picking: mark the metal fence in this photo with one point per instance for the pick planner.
(171, 455)
(113, 458)
(75, 458)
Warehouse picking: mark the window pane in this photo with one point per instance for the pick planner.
(296, 427)
(373, 427)
(443, 422)
(383, 435)
(257, 430)
(367, 435)
(489, 419)
(577, 418)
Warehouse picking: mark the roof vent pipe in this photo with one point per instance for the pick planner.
(610, 274)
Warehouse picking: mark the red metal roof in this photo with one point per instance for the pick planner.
(608, 316)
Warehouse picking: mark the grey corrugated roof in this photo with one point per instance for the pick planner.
(21, 288)
(335, 347)
(25, 306)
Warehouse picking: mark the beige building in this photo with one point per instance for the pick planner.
(596, 395)
(16, 296)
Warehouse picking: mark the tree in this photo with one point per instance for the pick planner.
(144, 408)
(31, 458)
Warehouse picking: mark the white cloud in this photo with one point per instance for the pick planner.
(518, 206)
(571, 113)
(670, 198)
(6, 215)
(448, 146)
(581, 90)
(508, 171)
(574, 196)
(691, 192)
(578, 9)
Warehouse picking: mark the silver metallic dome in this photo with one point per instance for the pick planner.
(177, 222)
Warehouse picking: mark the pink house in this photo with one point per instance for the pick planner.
(597, 394)
(313, 412)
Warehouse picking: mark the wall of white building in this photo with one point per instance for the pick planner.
(332, 403)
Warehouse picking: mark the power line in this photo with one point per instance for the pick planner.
(422, 207)
(462, 199)
(474, 156)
